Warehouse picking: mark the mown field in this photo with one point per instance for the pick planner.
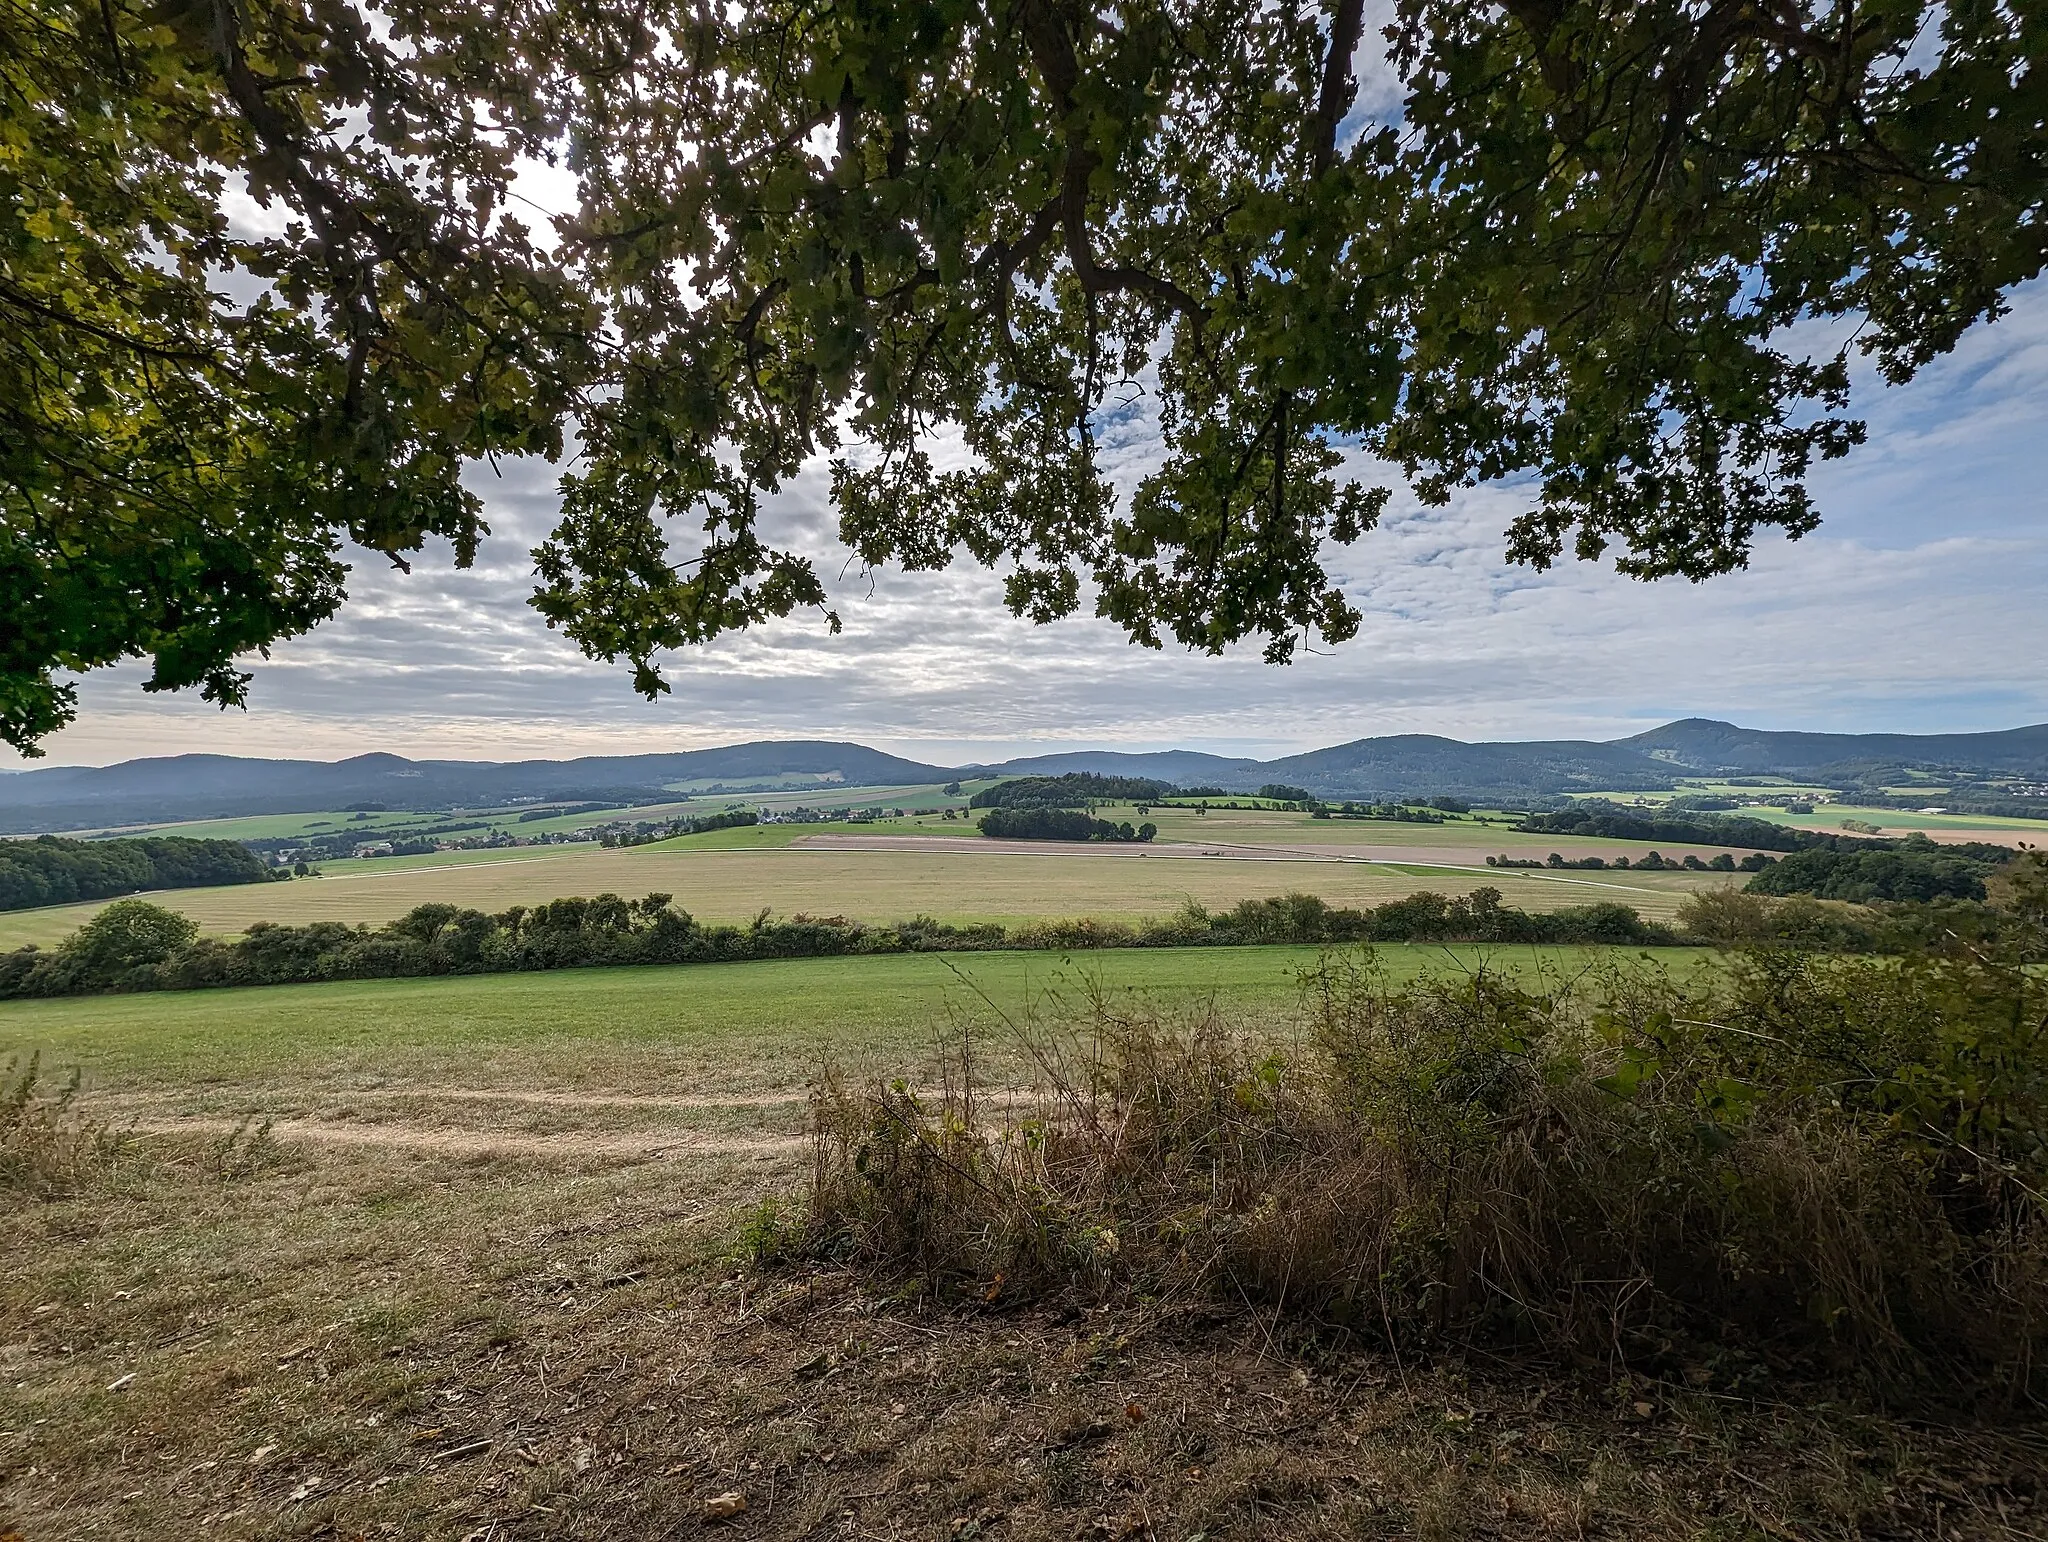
(856, 870)
(467, 1259)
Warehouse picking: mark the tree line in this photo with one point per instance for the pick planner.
(51, 870)
(133, 945)
(1059, 824)
(1074, 790)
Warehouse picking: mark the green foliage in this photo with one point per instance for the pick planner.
(1915, 869)
(178, 467)
(126, 937)
(52, 871)
(1576, 260)
(1593, 820)
(1073, 790)
(1280, 792)
(1037, 823)
(576, 933)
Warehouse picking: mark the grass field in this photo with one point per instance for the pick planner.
(1892, 821)
(484, 1277)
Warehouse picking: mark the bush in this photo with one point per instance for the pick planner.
(1833, 1165)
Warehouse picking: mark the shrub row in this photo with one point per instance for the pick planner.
(133, 945)
(1834, 1166)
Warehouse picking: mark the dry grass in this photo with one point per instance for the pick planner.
(554, 1333)
(46, 1148)
(1589, 1170)
(392, 1344)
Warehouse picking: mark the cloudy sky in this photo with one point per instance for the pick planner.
(1918, 606)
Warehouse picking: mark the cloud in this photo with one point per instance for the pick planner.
(1917, 607)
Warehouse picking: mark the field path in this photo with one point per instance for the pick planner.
(441, 1142)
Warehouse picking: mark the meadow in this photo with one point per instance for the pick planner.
(469, 1259)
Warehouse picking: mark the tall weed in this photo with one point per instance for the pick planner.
(46, 1149)
(1834, 1162)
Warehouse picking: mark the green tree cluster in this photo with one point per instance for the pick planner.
(51, 870)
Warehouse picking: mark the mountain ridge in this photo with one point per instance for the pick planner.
(166, 789)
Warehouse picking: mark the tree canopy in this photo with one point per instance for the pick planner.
(266, 286)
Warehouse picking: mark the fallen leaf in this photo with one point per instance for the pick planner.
(1134, 1412)
(720, 1507)
(302, 1490)
(260, 1454)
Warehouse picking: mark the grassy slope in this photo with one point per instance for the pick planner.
(425, 1313)
(776, 1021)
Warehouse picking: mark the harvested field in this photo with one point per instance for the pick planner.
(887, 878)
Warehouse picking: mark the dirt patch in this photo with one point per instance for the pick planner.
(115, 1102)
(402, 1137)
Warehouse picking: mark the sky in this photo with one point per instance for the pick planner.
(1916, 607)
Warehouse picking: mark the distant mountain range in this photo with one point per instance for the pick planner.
(182, 787)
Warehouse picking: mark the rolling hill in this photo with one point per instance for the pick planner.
(223, 786)
(1702, 744)
(186, 787)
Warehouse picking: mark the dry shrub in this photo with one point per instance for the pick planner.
(1778, 1167)
(46, 1149)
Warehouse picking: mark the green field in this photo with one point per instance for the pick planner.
(693, 1028)
(1893, 821)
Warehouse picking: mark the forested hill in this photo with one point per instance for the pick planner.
(1702, 744)
(224, 786)
(1517, 774)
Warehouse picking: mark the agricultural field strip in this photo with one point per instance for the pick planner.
(1193, 851)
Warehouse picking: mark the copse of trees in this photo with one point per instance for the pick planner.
(1910, 871)
(1074, 790)
(1594, 820)
(51, 870)
(1058, 824)
(1280, 792)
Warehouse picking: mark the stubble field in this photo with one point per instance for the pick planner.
(890, 870)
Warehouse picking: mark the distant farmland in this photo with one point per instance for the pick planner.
(1215, 860)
